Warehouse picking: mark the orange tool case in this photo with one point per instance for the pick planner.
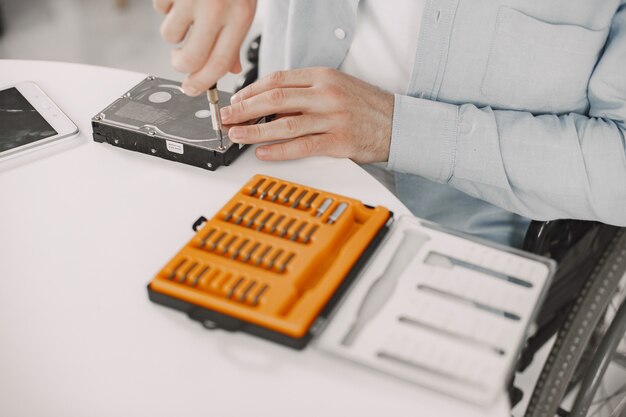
(272, 261)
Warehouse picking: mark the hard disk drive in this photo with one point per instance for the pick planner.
(157, 118)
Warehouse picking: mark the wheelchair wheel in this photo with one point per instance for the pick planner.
(592, 335)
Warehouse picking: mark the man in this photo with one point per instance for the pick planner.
(496, 111)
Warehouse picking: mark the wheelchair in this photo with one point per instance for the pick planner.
(584, 313)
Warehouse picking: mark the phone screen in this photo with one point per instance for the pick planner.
(20, 123)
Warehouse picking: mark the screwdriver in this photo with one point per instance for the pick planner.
(216, 118)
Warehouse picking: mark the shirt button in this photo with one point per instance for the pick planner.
(340, 33)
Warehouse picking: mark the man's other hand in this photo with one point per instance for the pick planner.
(320, 111)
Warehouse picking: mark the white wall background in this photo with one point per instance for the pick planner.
(95, 32)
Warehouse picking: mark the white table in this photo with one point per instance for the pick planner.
(84, 227)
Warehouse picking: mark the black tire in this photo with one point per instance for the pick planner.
(567, 359)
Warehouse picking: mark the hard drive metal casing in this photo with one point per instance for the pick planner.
(155, 117)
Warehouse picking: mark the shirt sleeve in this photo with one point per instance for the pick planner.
(543, 167)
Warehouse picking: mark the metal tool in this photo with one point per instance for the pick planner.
(227, 245)
(296, 234)
(253, 218)
(232, 211)
(286, 228)
(267, 189)
(289, 258)
(466, 300)
(256, 187)
(412, 321)
(258, 296)
(277, 193)
(262, 256)
(195, 281)
(277, 222)
(288, 195)
(274, 258)
(449, 262)
(383, 287)
(217, 241)
(232, 290)
(337, 213)
(262, 225)
(207, 237)
(216, 118)
(307, 238)
(242, 215)
(325, 205)
(173, 273)
(252, 250)
(186, 274)
(311, 200)
(244, 294)
(239, 248)
(296, 203)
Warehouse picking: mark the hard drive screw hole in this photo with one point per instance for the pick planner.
(153, 150)
(97, 118)
(116, 141)
(150, 77)
(151, 132)
(210, 165)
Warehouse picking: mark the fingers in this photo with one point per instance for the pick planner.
(176, 24)
(236, 68)
(162, 6)
(292, 78)
(212, 47)
(191, 57)
(223, 57)
(279, 100)
(311, 145)
(284, 128)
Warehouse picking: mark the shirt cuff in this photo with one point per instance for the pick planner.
(423, 138)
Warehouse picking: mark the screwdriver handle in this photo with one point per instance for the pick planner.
(214, 107)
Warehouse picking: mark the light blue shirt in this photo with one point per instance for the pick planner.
(515, 109)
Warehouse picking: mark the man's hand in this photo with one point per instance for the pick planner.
(212, 47)
(320, 111)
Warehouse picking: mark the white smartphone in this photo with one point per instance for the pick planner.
(29, 119)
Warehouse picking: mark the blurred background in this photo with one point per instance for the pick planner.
(114, 33)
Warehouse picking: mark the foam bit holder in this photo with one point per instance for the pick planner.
(272, 261)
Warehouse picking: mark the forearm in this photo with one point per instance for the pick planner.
(543, 167)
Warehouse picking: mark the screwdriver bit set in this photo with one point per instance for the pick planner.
(272, 261)
(292, 264)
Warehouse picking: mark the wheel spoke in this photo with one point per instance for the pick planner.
(606, 401)
(620, 409)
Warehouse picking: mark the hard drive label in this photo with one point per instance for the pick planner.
(174, 147)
